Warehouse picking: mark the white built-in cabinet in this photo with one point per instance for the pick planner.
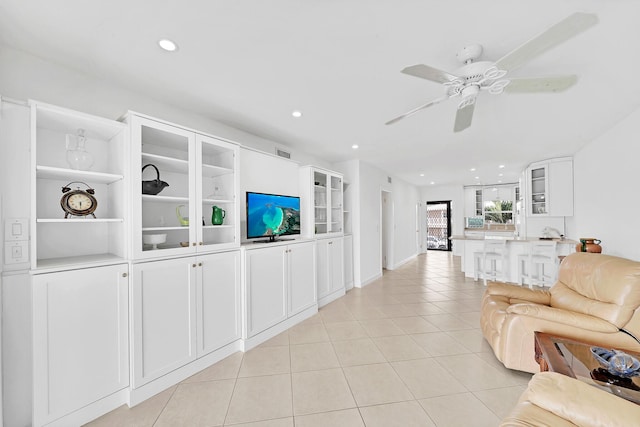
(58, 242)
(80, 339)
(473, 202)
(330, 273)
(183, 308)
(321, 202)
(80, 283)
(279, 283)
(201, 172)
(550, 187)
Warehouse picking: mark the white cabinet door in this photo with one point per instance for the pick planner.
(218, 296)
(336, 263)
(80, 339)
(266, 288)
(164, 323)
(302, 277)
(561, 188)
(322, 268)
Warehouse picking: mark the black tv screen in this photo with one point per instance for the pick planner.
(271, 215)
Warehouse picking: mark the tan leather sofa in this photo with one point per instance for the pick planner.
(595, 300)
(552, 399)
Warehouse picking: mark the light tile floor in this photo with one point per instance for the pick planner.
(404, 351)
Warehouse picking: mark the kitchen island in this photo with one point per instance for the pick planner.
(466, 246)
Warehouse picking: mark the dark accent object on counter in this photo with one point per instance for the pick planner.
(589, 244)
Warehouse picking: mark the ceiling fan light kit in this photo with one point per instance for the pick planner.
(475, 76)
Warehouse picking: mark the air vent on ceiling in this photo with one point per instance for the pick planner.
(280, 152)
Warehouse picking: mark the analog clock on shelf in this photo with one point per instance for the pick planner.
(78, 202)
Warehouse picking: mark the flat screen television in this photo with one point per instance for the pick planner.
(272, 215)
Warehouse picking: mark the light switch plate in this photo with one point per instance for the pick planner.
(16, 229)
(16, 252)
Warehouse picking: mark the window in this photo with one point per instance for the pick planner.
(498, 211)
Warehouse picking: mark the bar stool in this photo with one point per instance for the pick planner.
(486, 262)
(540, 265)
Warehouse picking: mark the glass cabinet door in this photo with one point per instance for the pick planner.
(336, 205)
(539, 191)
(321, 198)
(217, 205)
(166, 214)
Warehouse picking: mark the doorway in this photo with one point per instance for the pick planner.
(439, 225)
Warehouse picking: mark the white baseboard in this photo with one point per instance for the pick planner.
(267, 334)
(331, 297)
(404, 261)
(364, 283)
(92, 411)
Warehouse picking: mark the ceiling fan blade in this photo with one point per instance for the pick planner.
(541, 84)
(463, 117)
(560, 32)
(429, 73)
(415, 110)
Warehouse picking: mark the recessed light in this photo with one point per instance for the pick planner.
(168, 45)
(421, 174)
(499, 181)
(355, 146)
(472, 169)
(297, 114)
(432, 183)
(500, 174)
(477, 177)
(501, 166)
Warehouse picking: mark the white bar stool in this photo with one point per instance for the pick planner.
(486, 262)
(540, 265)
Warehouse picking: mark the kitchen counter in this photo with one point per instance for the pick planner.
(466, 246)
(514, 238)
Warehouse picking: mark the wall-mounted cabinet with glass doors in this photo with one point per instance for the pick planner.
(197, 210)
(79, 189)
(321, 202)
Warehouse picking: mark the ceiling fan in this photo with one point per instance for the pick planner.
(473, 77)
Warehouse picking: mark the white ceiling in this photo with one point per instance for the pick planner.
(250, 63)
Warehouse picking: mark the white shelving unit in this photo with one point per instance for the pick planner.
(321, 202)
(201, 172)
(58, 242)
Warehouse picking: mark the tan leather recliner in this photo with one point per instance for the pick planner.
(552, 399)
(596, 300)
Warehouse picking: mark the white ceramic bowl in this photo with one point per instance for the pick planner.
(154, 239)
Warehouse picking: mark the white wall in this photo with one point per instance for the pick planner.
(371, 181)
(606, 196)
(405, 197)
(24, 76)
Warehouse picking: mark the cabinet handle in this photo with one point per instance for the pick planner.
(193, 244)
(193, 265)
(124, 274)
(199, 264)
(201, 243)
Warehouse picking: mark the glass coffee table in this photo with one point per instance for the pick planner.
(575, 359)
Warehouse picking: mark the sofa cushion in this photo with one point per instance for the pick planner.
(599, 285)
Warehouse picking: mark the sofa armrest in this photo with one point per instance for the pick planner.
(557, 315)
(578, 402)
(519, 293)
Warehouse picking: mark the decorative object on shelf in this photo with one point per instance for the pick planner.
(154, 240)
(78, 202)
(77, 155)
(184, 220)
(618, 363)
(589, 244)
(153, 186)
(184, 244)
(217, 216)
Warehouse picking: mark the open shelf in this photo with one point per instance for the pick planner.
(49, 172)
(46, 265)
(84, 220)
(211, 171)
